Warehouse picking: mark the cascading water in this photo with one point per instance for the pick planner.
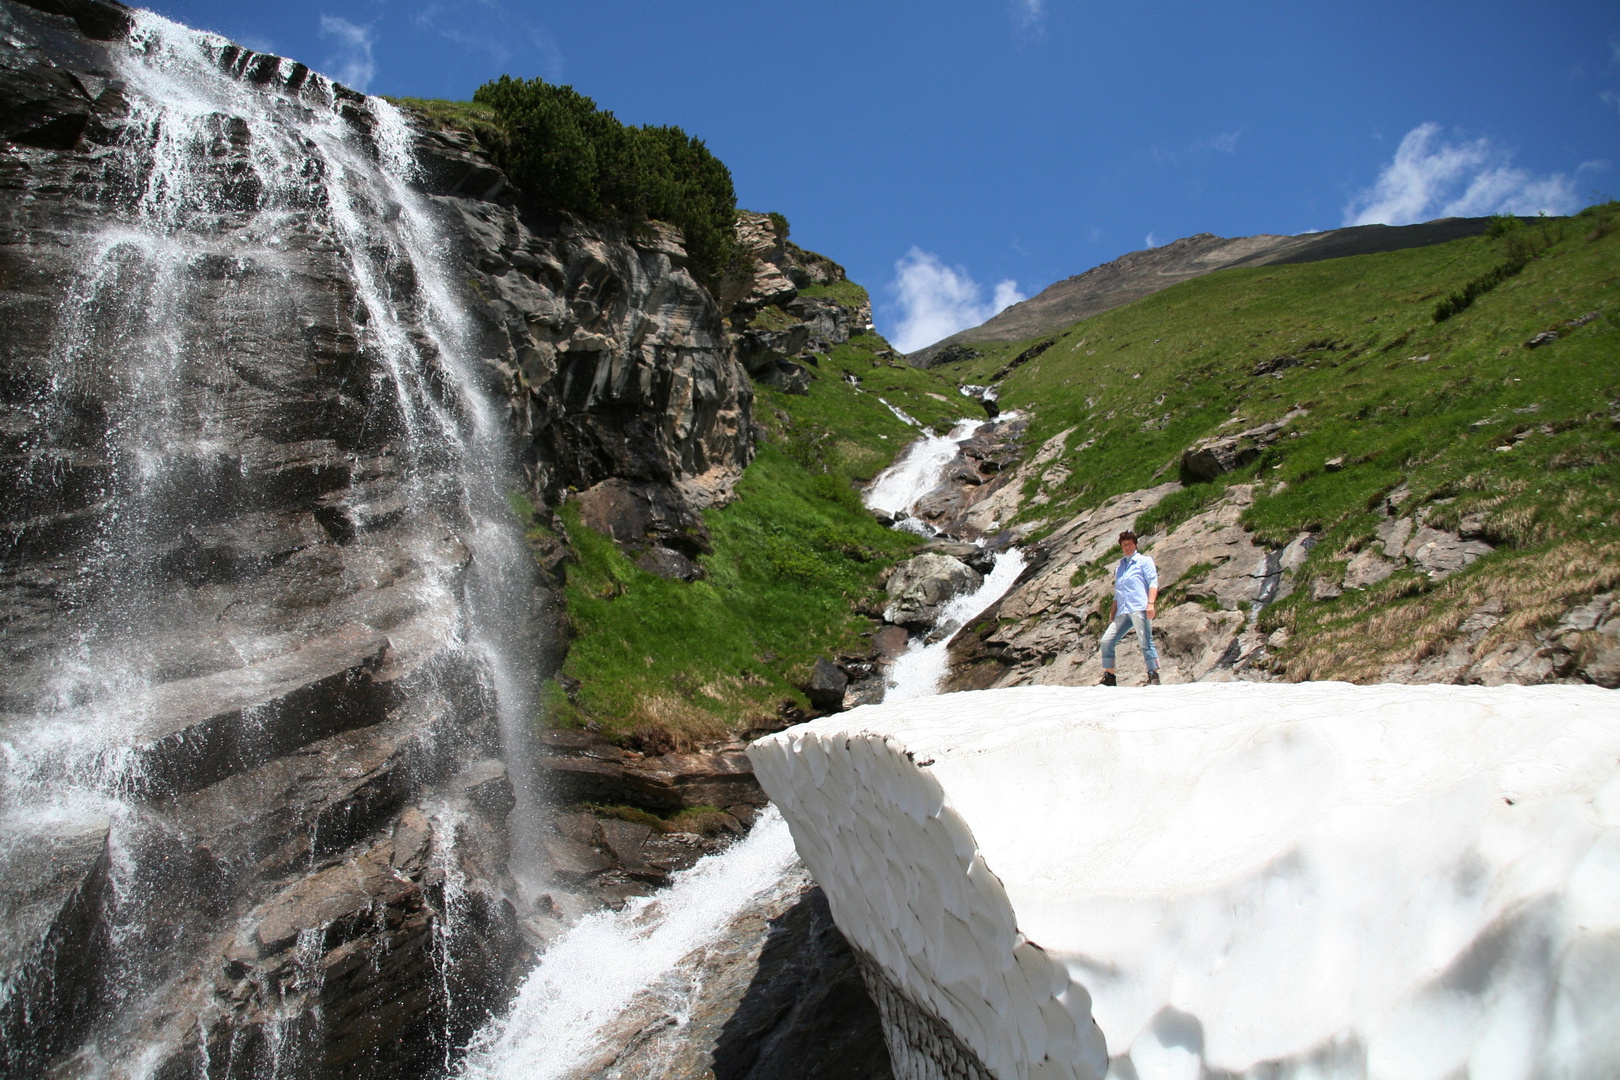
(921, 670)
(227, 194)
(565, 1009)
(918, 471)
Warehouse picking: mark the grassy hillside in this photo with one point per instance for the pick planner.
(1459, 412)
(657, 660)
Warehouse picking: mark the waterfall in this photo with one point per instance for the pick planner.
(918, 471)
(223, 190)
(920, 671)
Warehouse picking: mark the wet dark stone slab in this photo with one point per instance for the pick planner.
(52, 886)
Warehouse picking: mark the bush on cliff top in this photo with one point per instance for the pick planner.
(567, 154)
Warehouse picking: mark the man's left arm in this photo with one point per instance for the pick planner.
(1153, 589)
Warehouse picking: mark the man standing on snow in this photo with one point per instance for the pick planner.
(1136, 591)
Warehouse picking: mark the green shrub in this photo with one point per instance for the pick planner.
(569, 155)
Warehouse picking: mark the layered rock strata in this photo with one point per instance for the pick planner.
(1261, 880)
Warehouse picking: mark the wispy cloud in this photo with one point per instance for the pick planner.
(935, 300)
(1029, 15)
(1431, 177)
(504, 37)
(1225, 142)
(1152, 241)
(351, 63)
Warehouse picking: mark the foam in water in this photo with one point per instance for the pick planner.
(592, 973)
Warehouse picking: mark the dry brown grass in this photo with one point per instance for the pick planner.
(1385, 628)
(674, 723)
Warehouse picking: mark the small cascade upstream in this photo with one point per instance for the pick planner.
(921, 669)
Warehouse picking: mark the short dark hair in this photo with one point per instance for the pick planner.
(1127, 535)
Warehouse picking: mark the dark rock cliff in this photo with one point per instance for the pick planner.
(257, 727)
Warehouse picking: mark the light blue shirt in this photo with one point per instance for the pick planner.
(1134, 576)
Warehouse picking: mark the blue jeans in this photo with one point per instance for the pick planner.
(1144, 630)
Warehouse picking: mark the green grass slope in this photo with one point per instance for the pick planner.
(1460, 412)
(658, 661)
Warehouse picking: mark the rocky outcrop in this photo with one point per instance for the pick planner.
(920, 587)
(1221, 454)
(970, 482)
(787, 304)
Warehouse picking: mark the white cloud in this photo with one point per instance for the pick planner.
(935, 300)
(351, 64)
(1226, 142)
(1431, 177)
(1152, 241)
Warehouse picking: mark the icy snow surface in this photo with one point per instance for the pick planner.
(1315, 880)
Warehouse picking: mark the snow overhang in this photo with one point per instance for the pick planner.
(1313, 879)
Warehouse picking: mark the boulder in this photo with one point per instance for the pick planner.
(827, 686)
(920, 588)
(1366, 568)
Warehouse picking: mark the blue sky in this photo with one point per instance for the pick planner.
(956, 156)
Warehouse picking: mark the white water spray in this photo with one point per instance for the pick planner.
(566, 1007)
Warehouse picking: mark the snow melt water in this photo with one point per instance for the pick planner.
(917, 472)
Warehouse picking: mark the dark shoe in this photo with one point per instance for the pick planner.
(1153, 678)
(1108, 679)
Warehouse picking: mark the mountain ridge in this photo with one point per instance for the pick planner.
(1140, 274)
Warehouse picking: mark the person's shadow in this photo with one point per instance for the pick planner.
(806, 1013)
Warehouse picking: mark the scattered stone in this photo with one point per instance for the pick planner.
(1334, 464)
(1325, 589)
(1367, 569)
(1546, 337)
